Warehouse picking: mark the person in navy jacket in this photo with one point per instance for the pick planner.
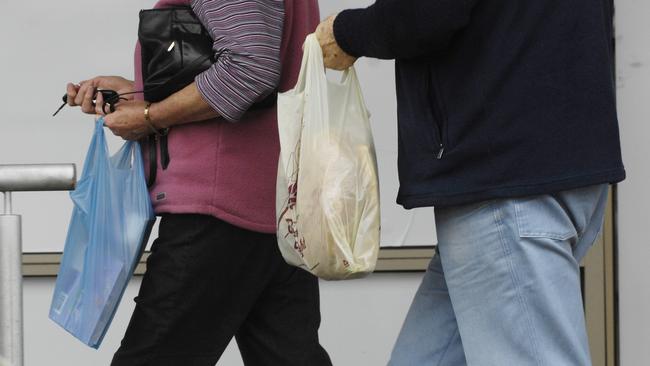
(507, 125)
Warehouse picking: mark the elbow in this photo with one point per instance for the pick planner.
(259, 75)
(234, 84)
(268, 86)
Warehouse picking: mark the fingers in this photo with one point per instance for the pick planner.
(85, 93)
(323, 34)
(87, 105)
(333, 56)
(130, 136)
(116, 130)
(84, 96)
(71, 91)
(99, 105)
(133, 137)
(338, 61)
(81, 92)
(114, 122)
(117, 83)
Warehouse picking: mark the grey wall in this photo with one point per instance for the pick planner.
(633, 68)
(45, 45)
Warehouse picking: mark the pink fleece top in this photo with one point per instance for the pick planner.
(225, 169)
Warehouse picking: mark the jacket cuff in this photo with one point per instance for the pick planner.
(351, 28)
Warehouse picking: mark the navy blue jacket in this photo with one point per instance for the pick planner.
(496, 98)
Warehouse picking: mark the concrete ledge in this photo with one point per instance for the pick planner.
(414, 259)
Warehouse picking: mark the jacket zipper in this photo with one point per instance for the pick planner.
(436, 112)
(438, 131)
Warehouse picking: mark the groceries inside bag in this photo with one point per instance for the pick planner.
(328, 220)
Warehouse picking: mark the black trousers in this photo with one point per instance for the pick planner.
(208, 281)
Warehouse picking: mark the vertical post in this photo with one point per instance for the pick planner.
(7, 204)
(8, 209)
(20, 178)
(11, 286)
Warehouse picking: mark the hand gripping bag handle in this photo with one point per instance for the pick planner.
(312, 74)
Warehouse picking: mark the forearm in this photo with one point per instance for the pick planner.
(184, 106)
(391, 29)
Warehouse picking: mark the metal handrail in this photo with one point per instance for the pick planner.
(37, 177)
(20, 178)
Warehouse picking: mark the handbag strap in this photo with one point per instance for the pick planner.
(153, 141)
(153, 160)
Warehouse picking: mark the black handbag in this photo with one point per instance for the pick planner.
(175, 48)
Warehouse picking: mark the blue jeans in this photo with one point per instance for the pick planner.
(504, 287)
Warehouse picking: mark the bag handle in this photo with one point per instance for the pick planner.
(97, 150)
(129, 157)
(350, 78)
(95, 165)
(312, 59)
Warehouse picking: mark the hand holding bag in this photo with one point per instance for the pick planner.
(327, 187)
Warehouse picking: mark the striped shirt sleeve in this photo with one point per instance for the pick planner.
(247, 36)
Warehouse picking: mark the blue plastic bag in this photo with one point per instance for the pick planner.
(110, 226)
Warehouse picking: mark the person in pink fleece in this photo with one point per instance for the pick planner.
(215, 270)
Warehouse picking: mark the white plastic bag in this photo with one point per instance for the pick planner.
(328, 190)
